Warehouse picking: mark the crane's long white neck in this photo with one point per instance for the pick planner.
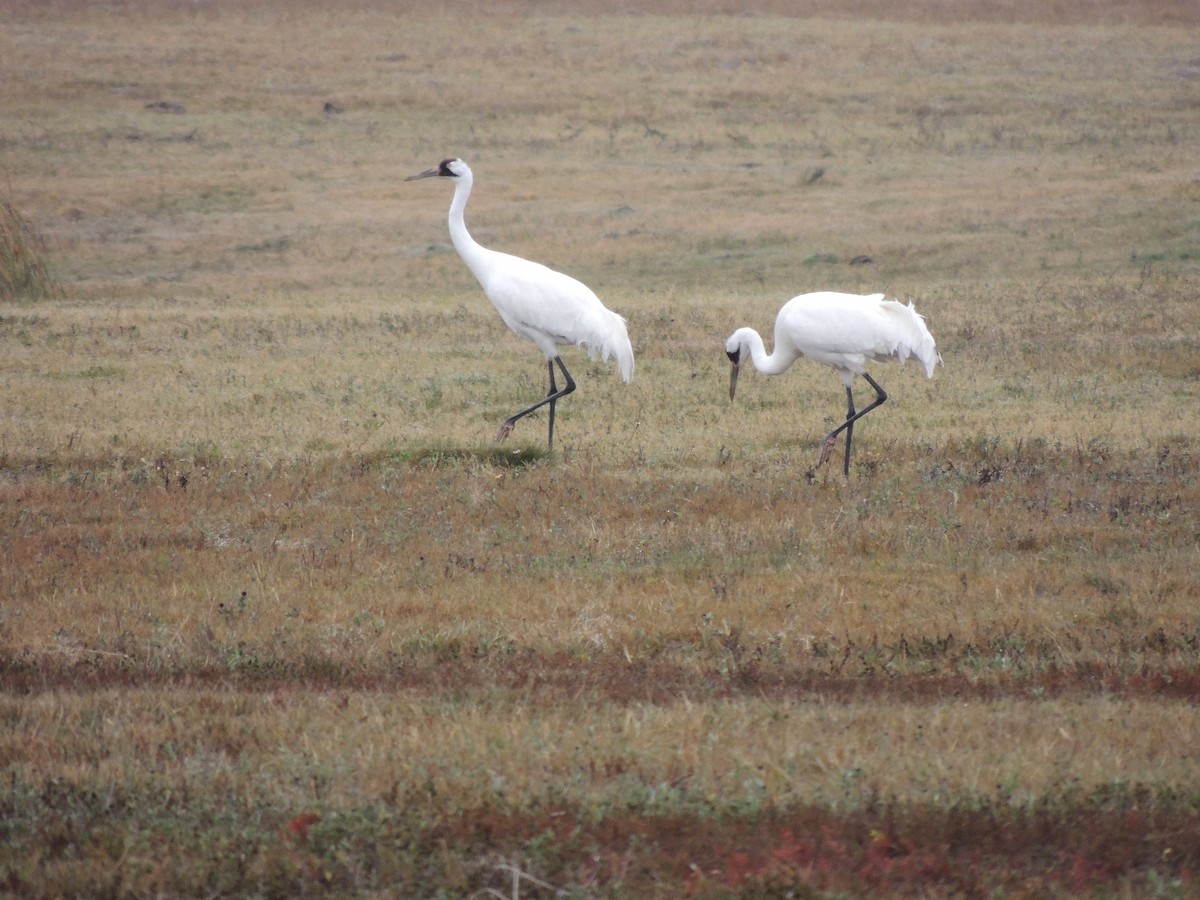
(472, 253)
(767, 363)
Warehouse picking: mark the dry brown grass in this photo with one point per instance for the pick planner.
(24, 272)
(277, 618)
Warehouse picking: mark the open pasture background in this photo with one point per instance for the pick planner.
(276, 618)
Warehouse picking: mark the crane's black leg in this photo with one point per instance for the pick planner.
(849, 429)
(553, 389)
(506, 426)
(848, 425)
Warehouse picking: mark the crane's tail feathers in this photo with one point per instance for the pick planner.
(614, 343)
(918, 342)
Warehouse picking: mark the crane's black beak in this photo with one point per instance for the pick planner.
(428, 173)
(735, 359)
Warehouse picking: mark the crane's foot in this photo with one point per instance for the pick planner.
(505, 430)
(826, 449)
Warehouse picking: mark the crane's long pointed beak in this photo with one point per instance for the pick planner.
(428, 173)
(733, 372)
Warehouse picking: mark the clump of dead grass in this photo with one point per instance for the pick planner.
(24, 265)
(435, 456)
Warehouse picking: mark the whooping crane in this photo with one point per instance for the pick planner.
(842, 331)
(546, 306)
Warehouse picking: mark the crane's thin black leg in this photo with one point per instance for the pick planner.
(506, 426)
(553, 389)
(848, 425)
(849, 429)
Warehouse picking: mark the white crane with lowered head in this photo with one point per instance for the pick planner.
(536, 302)
(844, 332)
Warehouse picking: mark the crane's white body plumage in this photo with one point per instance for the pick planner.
(541, 304)
(548, 307)
(844, 332)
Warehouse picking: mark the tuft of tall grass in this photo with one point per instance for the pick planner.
(24, 270)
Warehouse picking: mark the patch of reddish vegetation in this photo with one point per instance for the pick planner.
(886, 849)
(613, 678)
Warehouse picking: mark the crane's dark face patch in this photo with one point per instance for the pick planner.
(734, 355)
(444, 169)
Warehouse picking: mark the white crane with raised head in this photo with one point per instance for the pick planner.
(548, 307)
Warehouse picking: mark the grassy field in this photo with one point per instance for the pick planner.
(277, 618)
